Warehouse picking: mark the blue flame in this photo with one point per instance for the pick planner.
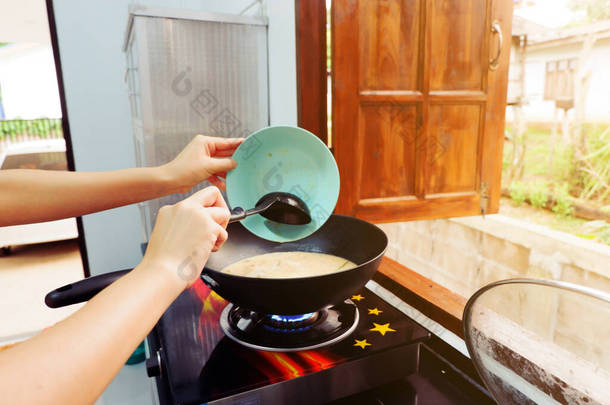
(292, 318)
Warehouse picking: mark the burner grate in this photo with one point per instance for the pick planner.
(289, 332)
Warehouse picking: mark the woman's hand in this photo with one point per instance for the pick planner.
(204, 158)
(186, 233)
(28, 196)
(90, 347)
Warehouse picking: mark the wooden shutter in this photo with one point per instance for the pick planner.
(311, 55)
(417, 108)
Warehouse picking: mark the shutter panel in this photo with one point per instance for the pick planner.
(418, 106)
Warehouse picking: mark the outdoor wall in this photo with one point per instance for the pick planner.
(598, 98)
(93, 63)
(464, 254)
(28, 83)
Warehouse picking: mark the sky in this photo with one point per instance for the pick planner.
(550, 13)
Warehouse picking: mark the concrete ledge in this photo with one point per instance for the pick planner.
(463, 254)
(575, 251)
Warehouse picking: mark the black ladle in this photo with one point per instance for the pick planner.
(284, 208)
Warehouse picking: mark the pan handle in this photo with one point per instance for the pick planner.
(82, 290)
(207, 280)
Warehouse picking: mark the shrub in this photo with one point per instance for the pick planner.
(518, 192)
(595, 167)
(565, 168)
(563, 203)
(605, 236)
(538, 194)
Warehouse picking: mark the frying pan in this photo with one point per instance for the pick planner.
(351, 238)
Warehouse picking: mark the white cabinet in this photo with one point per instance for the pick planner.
(188, 73)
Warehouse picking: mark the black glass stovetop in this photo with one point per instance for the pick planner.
(199, 364)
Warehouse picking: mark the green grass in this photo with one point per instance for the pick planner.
(537, 153)
(568, 224)
(565, 179)
(564, 171)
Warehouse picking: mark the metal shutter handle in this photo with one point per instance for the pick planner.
(496, 29)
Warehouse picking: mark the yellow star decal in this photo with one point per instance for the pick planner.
(361, 343)
(375, 311)
(357, 297)
(382, 328)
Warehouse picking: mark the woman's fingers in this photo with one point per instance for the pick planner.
(218, 182)
(224, 153)
(216, 165)
(209, 197)
(223, 144)
(219, 215)
(220, 239)
(220, 151)
(213, 204)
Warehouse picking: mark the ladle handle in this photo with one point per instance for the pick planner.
(237, 214)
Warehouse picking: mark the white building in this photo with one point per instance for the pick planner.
(551, 52)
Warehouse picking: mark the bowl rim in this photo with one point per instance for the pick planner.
(325, 150)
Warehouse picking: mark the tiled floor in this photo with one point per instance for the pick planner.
(26, 275)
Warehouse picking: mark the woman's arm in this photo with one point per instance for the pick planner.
(73, 361)
(28, 196)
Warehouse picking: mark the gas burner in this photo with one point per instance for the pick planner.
(288, 333)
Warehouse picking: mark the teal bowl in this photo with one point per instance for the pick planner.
(288, 159)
